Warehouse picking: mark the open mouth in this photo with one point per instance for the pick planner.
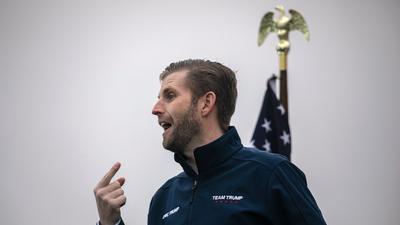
(165, 125)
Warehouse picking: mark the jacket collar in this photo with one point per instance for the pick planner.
(213, 153)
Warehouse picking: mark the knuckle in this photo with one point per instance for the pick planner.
(107, 200)
(119, 191)
(117, 184)
(101, 193)
(97, 191)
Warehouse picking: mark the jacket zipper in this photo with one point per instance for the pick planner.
(194, 187)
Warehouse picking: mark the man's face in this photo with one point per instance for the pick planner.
(176, 113)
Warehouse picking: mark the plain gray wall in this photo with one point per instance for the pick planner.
(79, 78)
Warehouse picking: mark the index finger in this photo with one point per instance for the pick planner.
(109, 175)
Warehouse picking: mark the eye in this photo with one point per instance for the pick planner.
(170, 95)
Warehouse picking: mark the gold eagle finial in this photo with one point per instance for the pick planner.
(282, 26)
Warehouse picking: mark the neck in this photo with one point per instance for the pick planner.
(207, 135)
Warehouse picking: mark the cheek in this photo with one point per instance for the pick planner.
(178, 110)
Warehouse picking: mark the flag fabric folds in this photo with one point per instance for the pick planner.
(272, 131)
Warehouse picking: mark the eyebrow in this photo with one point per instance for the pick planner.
(167, 89)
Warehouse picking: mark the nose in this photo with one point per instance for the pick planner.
(157, 109)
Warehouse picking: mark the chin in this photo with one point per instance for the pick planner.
(171, 147)
(167, 145)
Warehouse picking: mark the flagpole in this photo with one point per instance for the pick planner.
(283, 84)
(282, 26)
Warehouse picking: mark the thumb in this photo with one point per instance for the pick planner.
(121, 181)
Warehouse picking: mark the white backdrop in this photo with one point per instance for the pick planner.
(78, 80)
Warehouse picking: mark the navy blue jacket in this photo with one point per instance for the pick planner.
(235, 185)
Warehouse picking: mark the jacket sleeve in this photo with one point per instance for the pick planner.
(288, 198)
(120, 222)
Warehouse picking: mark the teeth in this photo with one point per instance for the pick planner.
(165, 125)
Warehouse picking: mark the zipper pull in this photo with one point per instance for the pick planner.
(193, 190)
(194, 185)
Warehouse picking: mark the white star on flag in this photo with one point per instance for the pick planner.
(267, 125)
(267, 146)
(285, 138)
(272, 131)
(280, 108)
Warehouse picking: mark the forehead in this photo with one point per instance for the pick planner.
(176, 80)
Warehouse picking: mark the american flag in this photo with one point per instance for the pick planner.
(272, 131)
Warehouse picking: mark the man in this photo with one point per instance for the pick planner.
(223, 182)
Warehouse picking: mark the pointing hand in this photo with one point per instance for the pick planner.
(110, 197)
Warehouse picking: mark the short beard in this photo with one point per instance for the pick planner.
(183, 132)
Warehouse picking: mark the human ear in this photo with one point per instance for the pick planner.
(208, 103)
